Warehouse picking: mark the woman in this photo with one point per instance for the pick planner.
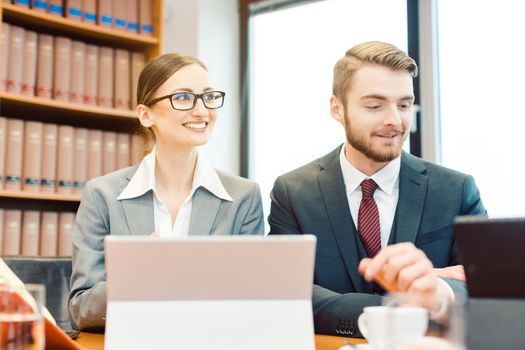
(174, 192)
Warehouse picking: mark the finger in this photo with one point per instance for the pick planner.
(424, 285)
(382, 258)
(398, 262)
(412, 273)
(363, 265)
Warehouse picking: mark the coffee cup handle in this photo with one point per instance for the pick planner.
(361, 323)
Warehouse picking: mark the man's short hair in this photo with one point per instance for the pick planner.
(375, 53)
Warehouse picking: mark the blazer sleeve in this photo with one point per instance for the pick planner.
(334, 313)
(253, 223)
(87, 297)
(471, 205)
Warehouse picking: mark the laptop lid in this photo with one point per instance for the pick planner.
(220, 292)
(493, 253)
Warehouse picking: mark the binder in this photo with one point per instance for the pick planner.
(12, 232)
(95, 153)
(105, 17)
(132, 16)
(16, 59)
(39, 5)
(49, 158)
(105, 77)
(30, 233)
(74, 9)
(89, 9)
(78, 69)
(80, 160)
(122, 76)
(4, 55)
(145, 17)
(123, 150)
(62, 70)
(65, 159)
(23, 3)
(45, 63)
(14, 153)
(118, 11)
(3, 137)
(55, 7)
(91, 77)
(65, 226)
(32, 169)
(29, 68)
(49, 233)
(137, 63)
(109, 157)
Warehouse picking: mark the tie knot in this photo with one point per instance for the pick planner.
(368, 187)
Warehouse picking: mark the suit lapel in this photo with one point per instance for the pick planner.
(139, 214)
(203, 212)
(412, 194)
(138, 211)
(334, 196)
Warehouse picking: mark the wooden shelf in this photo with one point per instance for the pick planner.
(8, 99)
(56, 197)
(66, 26)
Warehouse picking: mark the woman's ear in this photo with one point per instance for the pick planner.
(145, 116)
(337, 109)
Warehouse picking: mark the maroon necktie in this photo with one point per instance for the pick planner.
(368, 219)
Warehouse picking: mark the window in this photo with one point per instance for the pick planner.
(481, 75)
(291, 54)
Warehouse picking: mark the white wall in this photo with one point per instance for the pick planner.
(209, 29)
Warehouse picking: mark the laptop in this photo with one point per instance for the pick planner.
(493, 253)
(213, 292)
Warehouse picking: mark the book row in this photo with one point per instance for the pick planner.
(34, 64)
(35, 233)
(51, 158)
(126, 15)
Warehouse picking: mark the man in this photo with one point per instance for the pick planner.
(379, 214)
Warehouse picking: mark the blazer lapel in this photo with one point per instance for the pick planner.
(334, 195)
(203, 212)
(139, 214)
(412, 193)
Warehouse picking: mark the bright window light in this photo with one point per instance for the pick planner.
(481, 85)
(292, 53)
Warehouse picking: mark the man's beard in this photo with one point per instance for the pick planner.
(360, 143)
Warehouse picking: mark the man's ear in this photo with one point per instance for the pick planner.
(337, 109)
(145, 116)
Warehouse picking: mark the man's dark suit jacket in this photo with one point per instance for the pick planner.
(312, 199)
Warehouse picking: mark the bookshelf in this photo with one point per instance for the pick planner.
(77, 115)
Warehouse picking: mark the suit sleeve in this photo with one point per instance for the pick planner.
(253, 223)
(334, 313)
(471, 205)
(87, 297)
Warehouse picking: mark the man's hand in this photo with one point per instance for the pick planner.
(403, 268)
(456, 272)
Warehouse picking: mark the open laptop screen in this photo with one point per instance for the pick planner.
(493, 253)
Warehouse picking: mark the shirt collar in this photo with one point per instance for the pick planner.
(144, 179)
(386, 178)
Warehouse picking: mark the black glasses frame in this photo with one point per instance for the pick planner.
(196, 97)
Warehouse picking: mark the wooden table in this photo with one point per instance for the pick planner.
(92, 341)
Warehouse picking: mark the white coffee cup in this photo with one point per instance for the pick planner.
(391, 327)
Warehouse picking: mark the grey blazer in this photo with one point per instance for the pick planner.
(312, 199)
(101, 214)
